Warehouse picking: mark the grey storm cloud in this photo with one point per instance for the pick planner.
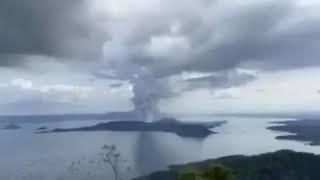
(214, 36)
(148, 42)
(46, 27)
(220, 35)
(268, 35)
(221, 80)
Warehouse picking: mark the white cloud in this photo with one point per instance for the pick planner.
(289, 91)
(22, 83)
(20, 96)
(168, 46)
(231, 93)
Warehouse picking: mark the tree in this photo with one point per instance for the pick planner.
(88, 168)
(111, 156)
(217, 172)
(213, 172)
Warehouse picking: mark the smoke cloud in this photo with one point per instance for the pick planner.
(158, 45)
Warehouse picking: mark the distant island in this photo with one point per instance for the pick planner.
(302, 130)
(11, 126)
(192, 130)
(42, 128)
(280, 165)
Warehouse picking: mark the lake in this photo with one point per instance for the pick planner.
(26, 155)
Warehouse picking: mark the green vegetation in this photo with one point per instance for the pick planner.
(213, 172)
(280, 165)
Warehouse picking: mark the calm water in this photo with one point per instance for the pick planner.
(26, 155)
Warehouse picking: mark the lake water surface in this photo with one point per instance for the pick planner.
(27, 155)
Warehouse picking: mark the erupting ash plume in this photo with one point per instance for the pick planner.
(126, 64)
(146, 97)
(147, 89)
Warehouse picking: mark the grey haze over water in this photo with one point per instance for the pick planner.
(26, 155)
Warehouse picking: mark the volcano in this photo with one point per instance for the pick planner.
(169, 125)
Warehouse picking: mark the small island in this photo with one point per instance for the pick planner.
(42, 128)
(302, 130)
(11, 126)
(192, 130)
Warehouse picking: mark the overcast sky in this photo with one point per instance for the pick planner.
(181, 56)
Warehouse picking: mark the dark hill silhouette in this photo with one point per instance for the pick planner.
(280, 165)
(302, 130)
(193, 130)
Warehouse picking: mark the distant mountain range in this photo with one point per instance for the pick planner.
(130, 115)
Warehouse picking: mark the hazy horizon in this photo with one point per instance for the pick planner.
(236, 114)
